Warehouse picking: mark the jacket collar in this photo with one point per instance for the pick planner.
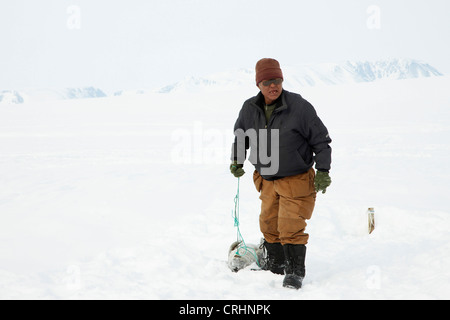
(281, 101)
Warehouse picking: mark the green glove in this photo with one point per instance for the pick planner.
(322, 181)
(236, 169)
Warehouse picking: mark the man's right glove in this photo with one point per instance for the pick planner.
(236, 169)
(322, 181)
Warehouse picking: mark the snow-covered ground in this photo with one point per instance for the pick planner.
(130, 197)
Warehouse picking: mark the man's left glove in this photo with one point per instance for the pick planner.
(322, 181)
(236, 169)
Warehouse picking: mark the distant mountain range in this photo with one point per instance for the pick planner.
(295, 76)
(15, 96)
(318, 74)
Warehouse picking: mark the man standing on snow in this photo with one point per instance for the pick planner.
(288, 189)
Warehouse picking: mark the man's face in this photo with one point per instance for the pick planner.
(271, 89)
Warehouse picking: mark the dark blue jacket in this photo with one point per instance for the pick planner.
(303, 138)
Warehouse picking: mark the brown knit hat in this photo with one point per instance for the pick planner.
(267, 69)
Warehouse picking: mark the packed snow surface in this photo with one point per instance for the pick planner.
(130, 197)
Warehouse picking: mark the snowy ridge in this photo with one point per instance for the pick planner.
(27, 95)
(295, 77)
(318, 74)
(10, 96)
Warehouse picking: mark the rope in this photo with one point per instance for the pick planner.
(241, 250)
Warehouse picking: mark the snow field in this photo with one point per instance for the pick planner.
(130, 197)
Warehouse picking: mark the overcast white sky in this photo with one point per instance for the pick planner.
(131, 44)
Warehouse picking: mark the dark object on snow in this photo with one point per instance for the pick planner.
(274, 261)
(295, 265)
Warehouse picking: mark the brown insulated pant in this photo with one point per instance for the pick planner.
(286, 204)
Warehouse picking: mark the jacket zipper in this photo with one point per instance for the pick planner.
(271, 117)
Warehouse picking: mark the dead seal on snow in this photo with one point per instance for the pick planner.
(241, 255)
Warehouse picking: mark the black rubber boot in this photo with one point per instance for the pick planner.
(294, 265)
(274, 261)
